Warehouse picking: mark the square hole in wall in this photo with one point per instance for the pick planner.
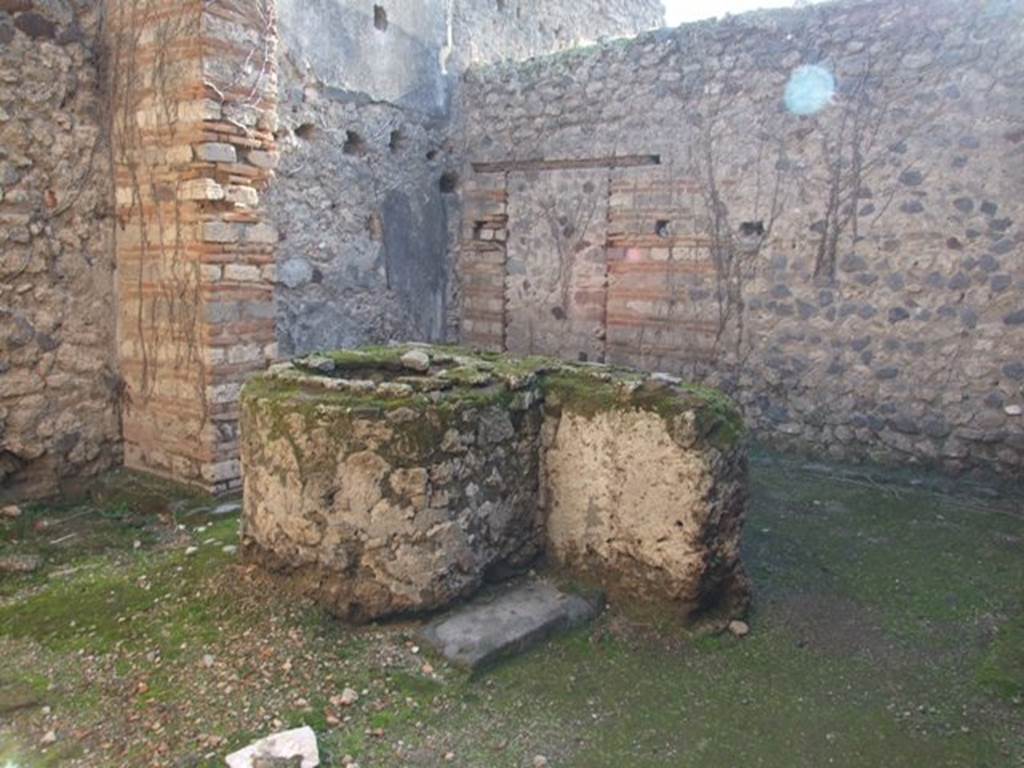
(380, 18)
(354, 144)
(375, 226)
(449, 182)
(752, 228)
(396, 141)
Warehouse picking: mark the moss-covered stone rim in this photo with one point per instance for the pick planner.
(375, 379)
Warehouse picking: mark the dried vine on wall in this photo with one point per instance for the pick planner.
(154, 63)
(144, 91)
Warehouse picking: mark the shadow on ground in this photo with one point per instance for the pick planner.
(888, 630)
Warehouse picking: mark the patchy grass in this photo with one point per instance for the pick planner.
(888, 630)
(1002, 668)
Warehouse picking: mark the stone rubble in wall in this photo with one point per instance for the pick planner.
(378, 266)
(58, 386)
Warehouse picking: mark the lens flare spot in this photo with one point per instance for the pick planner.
(810, 89)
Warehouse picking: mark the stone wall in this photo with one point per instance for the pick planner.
(363, 196)
(854, 275)
(486, 31)
(366, 204)
(58, 386)
(193, 93)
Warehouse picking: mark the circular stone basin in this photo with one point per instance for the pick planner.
(399, 479)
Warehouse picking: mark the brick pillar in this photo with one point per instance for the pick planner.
(482, 262)
(194, 87)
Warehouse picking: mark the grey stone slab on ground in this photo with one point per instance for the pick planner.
(494, 626)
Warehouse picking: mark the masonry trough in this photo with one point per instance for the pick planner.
(397, 480)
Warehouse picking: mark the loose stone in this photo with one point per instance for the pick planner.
(348, 697)
(417, 502)
(739, 628)
(20, 564)
(416, 360)
(288, 746)
(228, 508)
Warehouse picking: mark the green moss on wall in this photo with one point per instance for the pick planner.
(582, 391)
(480, 379)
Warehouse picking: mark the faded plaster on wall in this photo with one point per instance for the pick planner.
(486, 31)
(366, 226)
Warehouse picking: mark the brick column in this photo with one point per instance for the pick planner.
(482, 262)
(194, 87)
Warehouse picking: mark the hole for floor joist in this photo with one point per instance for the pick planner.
(375, 227)
(396, 141)
(449, 182)
(354, 144)
(752, 228)
(380, 18)
(661, 227)
(306, 131)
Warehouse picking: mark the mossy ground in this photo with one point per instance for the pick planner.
(888, 630)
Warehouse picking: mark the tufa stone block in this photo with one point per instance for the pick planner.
(247, 273)
(200, 189)
(220, 232)
(216, 152)
(241, 195)
(262, 159)
(260, 233)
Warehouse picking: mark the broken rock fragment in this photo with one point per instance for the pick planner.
(289, 749)
(20, 563)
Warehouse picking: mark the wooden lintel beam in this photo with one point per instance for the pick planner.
(539, 164)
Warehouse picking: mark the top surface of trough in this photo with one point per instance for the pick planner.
(419, 375)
